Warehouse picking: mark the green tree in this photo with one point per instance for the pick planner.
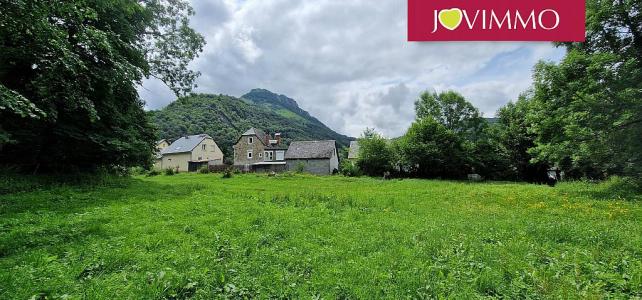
(488, 156)
(613, 27)
(514, 133)
(585, 113)
(588, 114)
(429, 149)
(375, 154)
(68, 77)
(451, 110)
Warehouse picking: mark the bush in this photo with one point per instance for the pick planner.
(204, 170)
(616, 187)
(138, 171)
(169, 172)
(152, 173)
(228, 173)
(348, 168)
(300, 167)
(375, 154)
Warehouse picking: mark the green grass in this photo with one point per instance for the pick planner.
(201, 236)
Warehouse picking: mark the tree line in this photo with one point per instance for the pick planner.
(69, 72)
(582, 115)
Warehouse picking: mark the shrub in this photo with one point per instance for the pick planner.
(347, 168)
(300, 167)
(204, 170)
(153, 172)
(169, 172)
(228, 173)
(138, 171)
(375, 154)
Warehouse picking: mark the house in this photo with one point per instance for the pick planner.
(190, 153)
(316, 157)
(160, 145)
(257, 151)
(353, 152)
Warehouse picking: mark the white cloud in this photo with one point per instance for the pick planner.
(347, 62)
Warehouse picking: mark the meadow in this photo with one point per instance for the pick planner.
(296, 236)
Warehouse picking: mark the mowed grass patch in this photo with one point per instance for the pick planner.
(252, 236)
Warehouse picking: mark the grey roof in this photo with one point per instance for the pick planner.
(311, 149)
(185, 144)
(354, 150)
(254, 131)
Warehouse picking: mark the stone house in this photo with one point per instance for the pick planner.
(190, 153)
(316, 157)
(256, 150)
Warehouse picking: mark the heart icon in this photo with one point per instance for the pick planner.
(450, 18)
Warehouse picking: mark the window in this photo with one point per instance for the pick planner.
(249, 154)
(260, 154)
(250, 140)
(280, 155)
(204, 147)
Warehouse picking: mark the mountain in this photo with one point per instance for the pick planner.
(225, 118)
(491, 121)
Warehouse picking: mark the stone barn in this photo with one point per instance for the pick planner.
(316, 157)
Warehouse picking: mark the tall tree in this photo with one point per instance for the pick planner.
(429, 149)
(451, 110)
(488, 156)
(375, 154)
(68, 76)
(515, 135)
(588, 108)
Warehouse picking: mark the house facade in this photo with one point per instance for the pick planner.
(316, 157)
(158, 158)
(353, 152)
(190, 153)
(162, 144)
(257, 151)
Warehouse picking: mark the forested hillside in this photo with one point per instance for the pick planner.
(225, 118)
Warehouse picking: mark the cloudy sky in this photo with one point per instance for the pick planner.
(347, 62)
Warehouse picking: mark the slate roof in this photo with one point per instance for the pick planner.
(353, 153)
(185, 144)
(311, 149)
(254, 131)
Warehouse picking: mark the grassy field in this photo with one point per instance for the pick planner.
(201, 236)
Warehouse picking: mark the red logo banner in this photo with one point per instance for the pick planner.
(497, 20)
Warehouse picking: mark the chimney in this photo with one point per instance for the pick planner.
(277, 137)
(267, 138)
